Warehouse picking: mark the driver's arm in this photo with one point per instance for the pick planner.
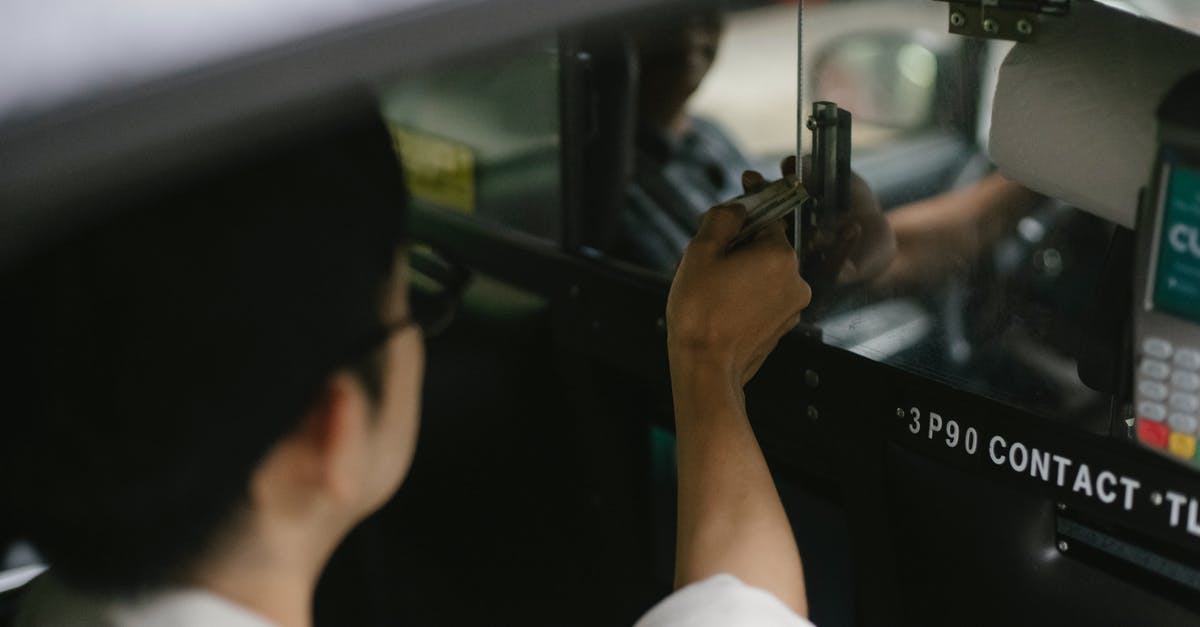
(948, 232)
(726, 312)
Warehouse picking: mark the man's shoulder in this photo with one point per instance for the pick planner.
(721, 600)
(51, 602)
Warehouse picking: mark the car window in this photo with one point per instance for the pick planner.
(990, 286)
(877, 54)
(481, 139)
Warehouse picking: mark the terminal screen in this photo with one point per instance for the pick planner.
(1177, 281)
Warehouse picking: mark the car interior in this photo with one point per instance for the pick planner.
(542, 491)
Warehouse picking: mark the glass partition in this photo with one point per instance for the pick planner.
(482, 138)
(956, 273)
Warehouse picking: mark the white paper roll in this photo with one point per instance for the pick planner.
(1074, 113)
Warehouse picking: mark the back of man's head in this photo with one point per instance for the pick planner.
(153, 361)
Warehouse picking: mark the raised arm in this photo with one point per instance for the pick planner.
(726, 312)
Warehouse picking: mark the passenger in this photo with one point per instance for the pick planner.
(209, 392)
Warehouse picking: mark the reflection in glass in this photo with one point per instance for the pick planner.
(683, 163)
(482, 139)
(991, 290)
(886, 79)
(984, 285)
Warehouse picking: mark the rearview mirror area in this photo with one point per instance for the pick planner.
(888, 79)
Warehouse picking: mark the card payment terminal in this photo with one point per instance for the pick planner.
(1166, 365)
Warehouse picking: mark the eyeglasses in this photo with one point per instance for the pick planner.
(435, 290)
(433, 312)
(434, 293)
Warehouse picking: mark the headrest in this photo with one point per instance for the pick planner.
(1074, 113)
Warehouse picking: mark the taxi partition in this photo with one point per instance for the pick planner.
(951, 432)
(962, 412)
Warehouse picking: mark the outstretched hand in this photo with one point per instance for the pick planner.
(726, 312)
(728, 309)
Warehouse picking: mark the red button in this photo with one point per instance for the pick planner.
(1152, 433)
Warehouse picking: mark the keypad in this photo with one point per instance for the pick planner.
(1186, 381)
(1168, 398)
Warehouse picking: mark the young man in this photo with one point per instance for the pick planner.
(214, 387)
(208, 392)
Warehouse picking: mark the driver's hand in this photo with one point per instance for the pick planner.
(863, 240)
(728, 309)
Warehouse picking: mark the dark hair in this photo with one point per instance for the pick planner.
(156, 359)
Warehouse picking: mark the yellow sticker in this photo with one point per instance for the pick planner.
(437, 170)
(1182, 445)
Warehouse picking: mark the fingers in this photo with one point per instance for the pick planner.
(774, 230)
(752, 181)
(876, 247)
(862, 199)
(842, 255)
(788, 165)
(848, 273)
(799, 295)
(719, 226)
(804, 297)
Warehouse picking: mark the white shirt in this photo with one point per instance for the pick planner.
(721, 601)
(49, 603)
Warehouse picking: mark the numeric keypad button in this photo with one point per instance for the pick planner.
(1186, 381)
(1183, 423)
(1152, 411)
(1155, 369)
(1187, 359)
(1152, 391)
(1186, 403)
(1157, 348)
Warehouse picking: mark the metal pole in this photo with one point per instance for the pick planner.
(801, 126)
(801, 118)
